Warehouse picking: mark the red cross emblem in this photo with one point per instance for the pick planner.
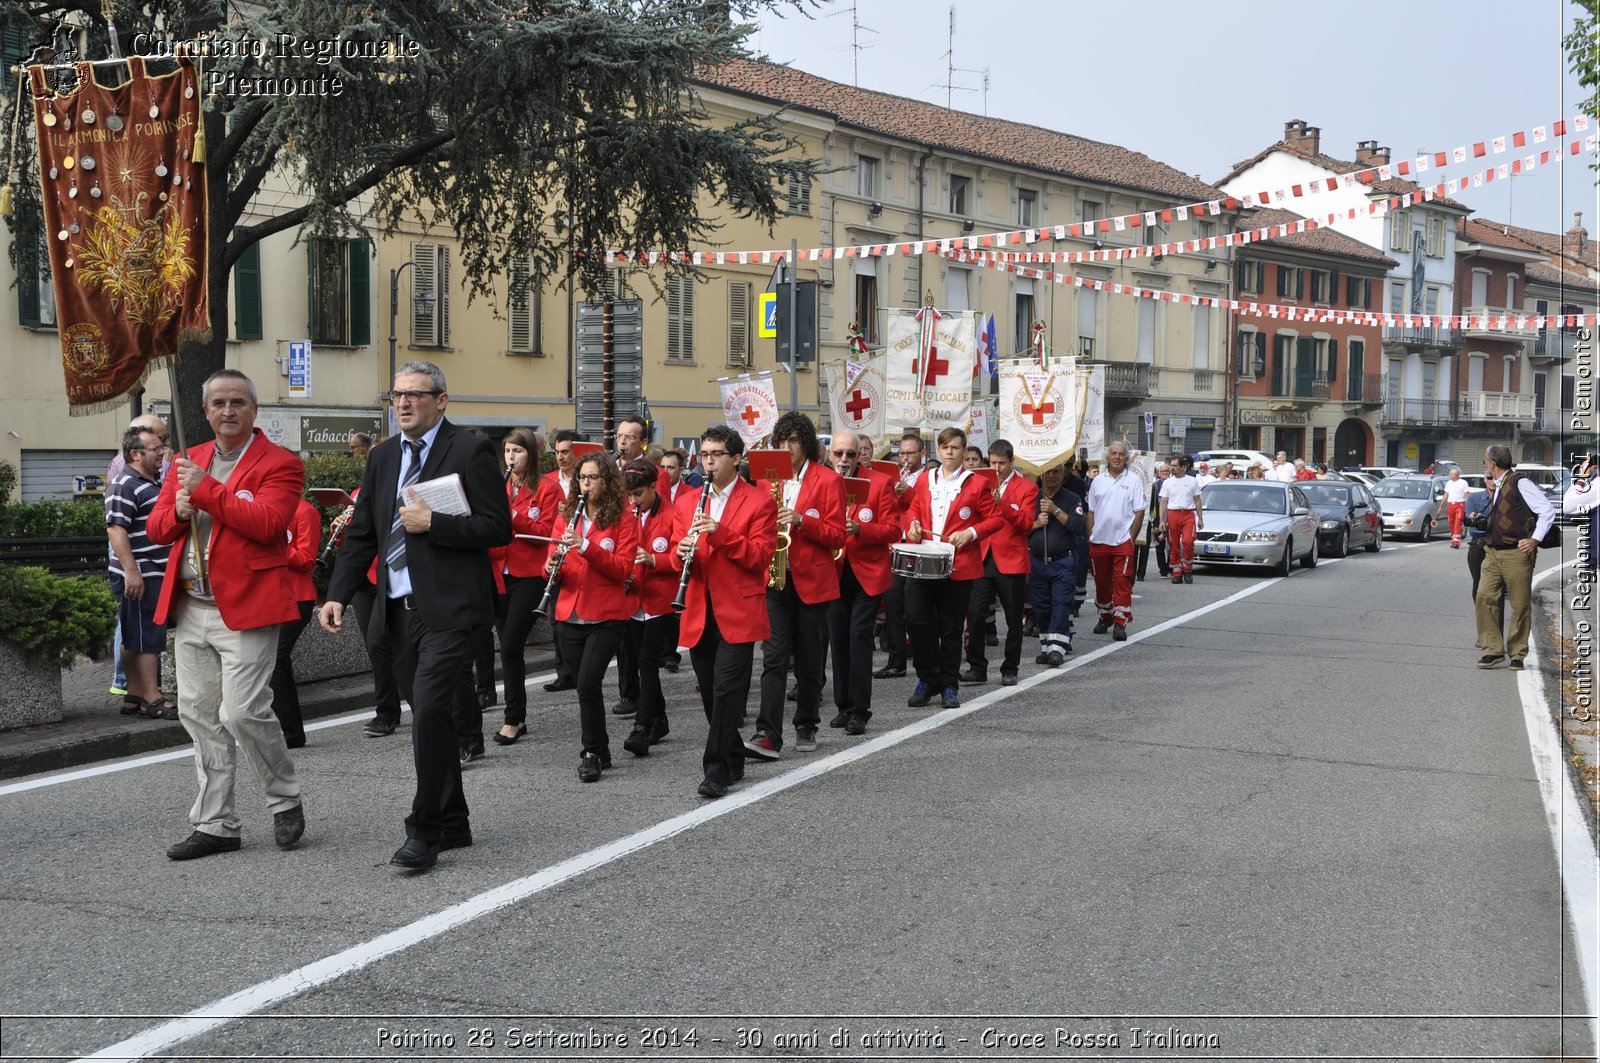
(937, 367)
(750, 415)
(1038, 412)
(858, 405)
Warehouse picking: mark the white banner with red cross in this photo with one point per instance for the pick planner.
(932, 356)
(1040, 411)
(856, 396)
(749, 405)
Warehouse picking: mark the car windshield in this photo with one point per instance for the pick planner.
(1389, 487)
(1325, 494)
(1239, 498)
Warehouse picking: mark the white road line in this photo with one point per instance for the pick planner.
(259, 997)
(1569, 831)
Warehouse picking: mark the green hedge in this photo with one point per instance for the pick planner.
(8, 481)
(53, 518)
(53, 619)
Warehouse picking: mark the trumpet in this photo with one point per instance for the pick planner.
(681, 599)
(336, 529)
(778, 570)
(552, 587)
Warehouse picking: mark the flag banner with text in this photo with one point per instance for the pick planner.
(123, 190)
(749, 405)
(1040, 411)
(979, 418)
(929, 372)
(1092, 411)
(856, 396)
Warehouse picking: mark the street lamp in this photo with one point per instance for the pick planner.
(421, 302)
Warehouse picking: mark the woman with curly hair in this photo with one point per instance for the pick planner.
(598, 546)
(519, 570)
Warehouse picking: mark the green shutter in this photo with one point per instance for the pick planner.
(247, 324)
(13, 49)
(1333, 360)
(312, 331)
(28, 295)
(359, 253)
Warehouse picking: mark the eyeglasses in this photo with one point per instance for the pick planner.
(844, 453)
(588, 476)
(412, 396)
(712, 455)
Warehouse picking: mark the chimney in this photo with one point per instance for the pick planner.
(1301, 138)
(1369, 154)
(1575, 241)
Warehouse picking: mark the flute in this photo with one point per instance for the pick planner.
(553, 586)
(680, 602)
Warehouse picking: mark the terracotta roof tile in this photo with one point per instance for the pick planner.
(1493, 234)
(1543, 273)
(1537, 240)
(1321, 240)
(974, 135)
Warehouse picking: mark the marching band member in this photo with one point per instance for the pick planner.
(520, 568)
(653, 626)
(593, 604)
(728, 543)
(1005, 568)
(953, 506)
(632, 435)
(813, 513)
(561, 441)
(869, 528)
(910, 456)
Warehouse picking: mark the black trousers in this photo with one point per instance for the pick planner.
(516, 621)
(483, 661)
(723, 670)
(936, 613)
(1141, 557)
(851, 618)
(433, 670)
(627, 671)
(799, 632)
(285, 695)
(894, 621)
(589, 650)
(1011, 590)
(563, 670)
(384, 690)
(651, 640)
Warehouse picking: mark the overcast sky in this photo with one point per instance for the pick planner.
(1201, 87)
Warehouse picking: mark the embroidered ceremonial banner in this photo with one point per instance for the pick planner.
(929, 379)
(979, 418)
(749, 406)
(855, 395)
(1039, 411)
(125, 221)
(1092, 410)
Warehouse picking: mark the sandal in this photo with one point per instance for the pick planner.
(132, 705)
(160, 710)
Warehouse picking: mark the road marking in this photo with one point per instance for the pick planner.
(263, 995)
(1569, 831)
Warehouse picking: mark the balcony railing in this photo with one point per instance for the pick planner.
(1542, 423)
(1126, 380)
(1203, 381)
(1554, 344)
(1421, 337)
(1498, 406)
(1423, 412)
(1300, 384)
(1361, 387)
(1490, 327)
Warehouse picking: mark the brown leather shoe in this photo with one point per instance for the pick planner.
(199, 844)
(287, 827)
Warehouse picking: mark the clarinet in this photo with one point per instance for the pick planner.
(554, 585)
(680, 602)
(335, 530)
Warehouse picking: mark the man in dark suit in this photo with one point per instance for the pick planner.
(435, 591)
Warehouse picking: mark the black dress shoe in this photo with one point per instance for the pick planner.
(296, 742)
(793, 694)
(972, 675)
(672, 663)
(889, 671)
(625, 708)
(1043, 658)
(486, 698)
(637, 742)
(287, 827)
(840, 720)
(557, 685)
(659, 730)
(857, 725)
(589, 768)
(460, 840)
(378, 728)
(415, 855)
(503, 739)
(712, 788)
(1008, 679)
(199, 844)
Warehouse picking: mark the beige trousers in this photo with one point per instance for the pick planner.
(225, 703)
(1511, 571)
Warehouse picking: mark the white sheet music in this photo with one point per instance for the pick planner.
(444, 495)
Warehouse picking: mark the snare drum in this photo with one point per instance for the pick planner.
(922, 560)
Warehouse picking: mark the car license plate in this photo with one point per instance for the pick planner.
(1213, 548)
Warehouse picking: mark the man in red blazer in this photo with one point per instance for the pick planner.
(813, 512)
(728, 543)
(869, 527)
(237, 495)
(1005, 569)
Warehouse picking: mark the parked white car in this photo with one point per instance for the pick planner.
(1242, 459)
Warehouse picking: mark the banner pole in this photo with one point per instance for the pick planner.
(182, 450)
(793, 276)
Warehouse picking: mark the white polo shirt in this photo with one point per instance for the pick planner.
(1114, 500)
(1180, 492)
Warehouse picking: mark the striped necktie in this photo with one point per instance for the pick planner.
(395, 555)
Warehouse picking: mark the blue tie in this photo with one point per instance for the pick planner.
(395, 555)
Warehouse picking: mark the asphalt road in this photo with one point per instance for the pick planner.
(1289, 818)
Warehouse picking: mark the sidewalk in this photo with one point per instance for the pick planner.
(1568, 660)
(92, 729)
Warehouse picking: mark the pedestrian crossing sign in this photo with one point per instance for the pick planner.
(768, 302)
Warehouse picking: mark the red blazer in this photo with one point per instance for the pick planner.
(730, 565)
(1018, 505)
(973, 507)
(821, 532)
(533, 512)
(592, 578)
(868, 550)
(654, 588)
(249, 566)
(304, 536)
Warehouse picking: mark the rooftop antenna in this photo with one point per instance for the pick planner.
(951, 70)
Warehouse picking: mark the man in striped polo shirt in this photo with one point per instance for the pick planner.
(137, 567)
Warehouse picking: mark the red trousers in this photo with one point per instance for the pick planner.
(1180, 537)
(1457, 510)
(1113, 580)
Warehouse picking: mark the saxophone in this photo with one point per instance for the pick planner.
(778, 569)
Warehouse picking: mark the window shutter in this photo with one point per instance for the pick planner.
(1283, 280)
(1244, 285)
(738, 323)
(686, 319)
(358, 254)
(442, 293)
(424, 277)
(520, 308)
(799, 196)
(247, 324)
(1352, 291)
(1332, 294)
(29, 313)
(1300, 283)
(1333, 360)
(311, 289)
